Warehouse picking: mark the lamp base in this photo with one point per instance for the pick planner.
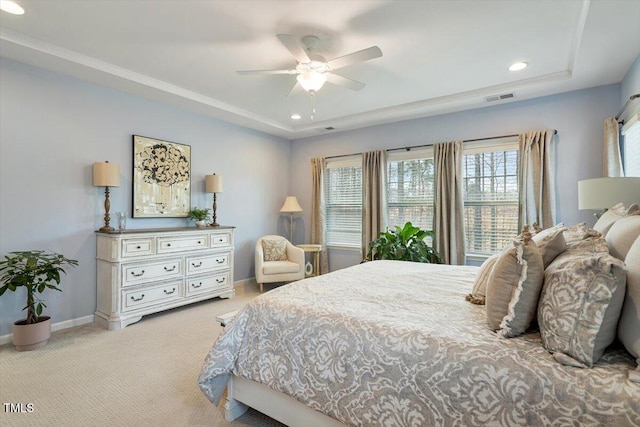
(215, 224)
(106, 229)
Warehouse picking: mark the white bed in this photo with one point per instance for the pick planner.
(395, 343)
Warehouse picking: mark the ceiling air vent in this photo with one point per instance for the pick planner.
(329, 128)
(495, 98)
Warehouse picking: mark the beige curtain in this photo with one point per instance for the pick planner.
(536, 178)
(374, 195)
(612, 161)
(449, 211)
(318, 211)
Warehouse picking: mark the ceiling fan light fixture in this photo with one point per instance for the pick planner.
(11, 7)
(311, 81)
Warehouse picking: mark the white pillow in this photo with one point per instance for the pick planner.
(479, 293)
(629, 324)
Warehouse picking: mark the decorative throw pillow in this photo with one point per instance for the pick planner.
(514, 287)
(479, 292)
(581, 239)
(580, 306)
(629, 325)
(550, 242)
(617, 212)
(622, 234)
(274, 250)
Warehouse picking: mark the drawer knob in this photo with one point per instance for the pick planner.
(220, 260)
(220, 280)
(134, 274)
(169, 245)
(196, 286)
(199, 242)
(194, 265)
(169, 292)
(137, 299)
(138, 247)
(172, 268)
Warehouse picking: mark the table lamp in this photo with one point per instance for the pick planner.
(106, 175)
(213, 184)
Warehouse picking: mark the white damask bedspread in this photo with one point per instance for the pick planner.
(395, 343)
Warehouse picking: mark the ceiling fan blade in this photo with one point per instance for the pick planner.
(294, 45)
(355, 57)
(246, 72)
(343, 81)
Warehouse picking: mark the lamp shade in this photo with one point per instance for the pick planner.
(311, 81)
(213, 183)
(603, 193)
(106, 174)
(291, 205)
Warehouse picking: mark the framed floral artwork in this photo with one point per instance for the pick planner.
(161, 178)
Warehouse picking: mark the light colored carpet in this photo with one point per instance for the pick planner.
(143, 375)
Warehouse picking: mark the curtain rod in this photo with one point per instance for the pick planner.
(555, 132)
(624, 107)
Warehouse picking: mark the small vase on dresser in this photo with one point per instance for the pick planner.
(142, 272)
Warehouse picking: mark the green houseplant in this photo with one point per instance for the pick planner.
(199, 215)
(404, 244)
(36, 271)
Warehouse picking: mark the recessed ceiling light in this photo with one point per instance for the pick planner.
(296, 116)
(518, 66)
(11, 7)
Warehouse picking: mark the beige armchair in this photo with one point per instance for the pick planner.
(285, 264)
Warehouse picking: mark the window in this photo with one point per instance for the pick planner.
(631, 147)
(343, 202)
(410, 188)
(490, 193)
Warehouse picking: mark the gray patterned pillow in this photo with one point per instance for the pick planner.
(551, 243)
(514, 287)
(274, 250)
(479, 293)
(580, 306)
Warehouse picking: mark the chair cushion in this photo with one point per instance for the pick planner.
(280, 267)
(274, 250)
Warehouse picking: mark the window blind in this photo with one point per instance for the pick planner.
(631, 132)
(410, 188)
(490, 193)
(343, 202)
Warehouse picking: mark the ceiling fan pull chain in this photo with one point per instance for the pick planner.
(313, 106)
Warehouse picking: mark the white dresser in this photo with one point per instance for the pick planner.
(145, 271)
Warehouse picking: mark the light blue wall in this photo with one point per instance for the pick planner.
(53, 128)
(578, 116)
(631, 83)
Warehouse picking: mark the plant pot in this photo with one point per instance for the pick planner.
(201, 224)
(29, 337)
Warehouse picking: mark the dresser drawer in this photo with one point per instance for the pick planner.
(199, 264)
(221, 240)
(201, 285)
(140, 298)
(136, 247)
(155, 270)
(182, 243)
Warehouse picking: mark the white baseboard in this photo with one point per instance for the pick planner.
(4, 339)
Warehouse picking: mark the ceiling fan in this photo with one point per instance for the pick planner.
(314, 70)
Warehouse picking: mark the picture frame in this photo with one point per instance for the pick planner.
(161, 178)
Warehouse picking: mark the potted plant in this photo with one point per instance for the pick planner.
(404, 244)
(36, 271)
(200, 216)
